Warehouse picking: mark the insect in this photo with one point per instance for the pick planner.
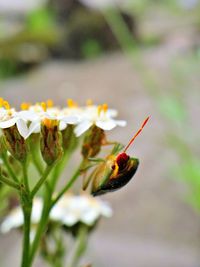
(116, 170)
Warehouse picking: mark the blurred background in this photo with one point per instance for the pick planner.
(142, 57)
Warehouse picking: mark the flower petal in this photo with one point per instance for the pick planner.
(14, 220)
(90, 216)
(82, 127)
(70, 219)
(8, 123)
(62, 125)
(121, 123)
(106, 209)
(33, 128)
(71, 119)
(22, 128)
(106, 125)
(112, 113)
(28, 115)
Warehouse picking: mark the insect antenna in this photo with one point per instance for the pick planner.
(138, 132)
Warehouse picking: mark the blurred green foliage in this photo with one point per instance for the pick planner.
(40, 20)
(91, 48)
(30, 45)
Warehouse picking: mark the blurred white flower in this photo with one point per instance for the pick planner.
(69, 210)
(72, 209)
(15, 218)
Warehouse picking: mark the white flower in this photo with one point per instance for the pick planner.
(15, 219)
(10, 117)
(69, 210)
(100, 116)
(84, 208)
(40, 113)
(30, 118)
(64, 118)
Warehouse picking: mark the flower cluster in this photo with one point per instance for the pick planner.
(45, 136)
(69, 210)
(31, 117)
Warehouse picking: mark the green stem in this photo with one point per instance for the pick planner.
(59, 168)
(25, 176)
(34, 145)
(120, 30)
(41, 225)
(26, 240)
(48, 205)
(9, 169)
(80, 246)
(42, 180)
(59, 253)
(37, 161)
(68, 185)
(9, 182)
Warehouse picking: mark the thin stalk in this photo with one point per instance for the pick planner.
(26, 240)
(80, 246)
(41, 180)
(9, 182)
(34, 144)
(48, 205)
(25, 176)
(68, 185)
(9, 169)
(59, 253)
(36, 160)
(41, 225)
(59, 168)
(120, 30)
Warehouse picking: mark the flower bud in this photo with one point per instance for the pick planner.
(69, 138)
(51, 141)
(92, 142)
(3, 149)
(15, 143)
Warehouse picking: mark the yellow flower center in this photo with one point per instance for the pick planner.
(89, 102)
(71, 103)
(50, 123)
(1, 102)
(105, 107)
(50, 103)
(25, 105)
(6, 105)
(44, 106)
(102, 108)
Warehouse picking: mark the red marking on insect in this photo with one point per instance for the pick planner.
(123, 158)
